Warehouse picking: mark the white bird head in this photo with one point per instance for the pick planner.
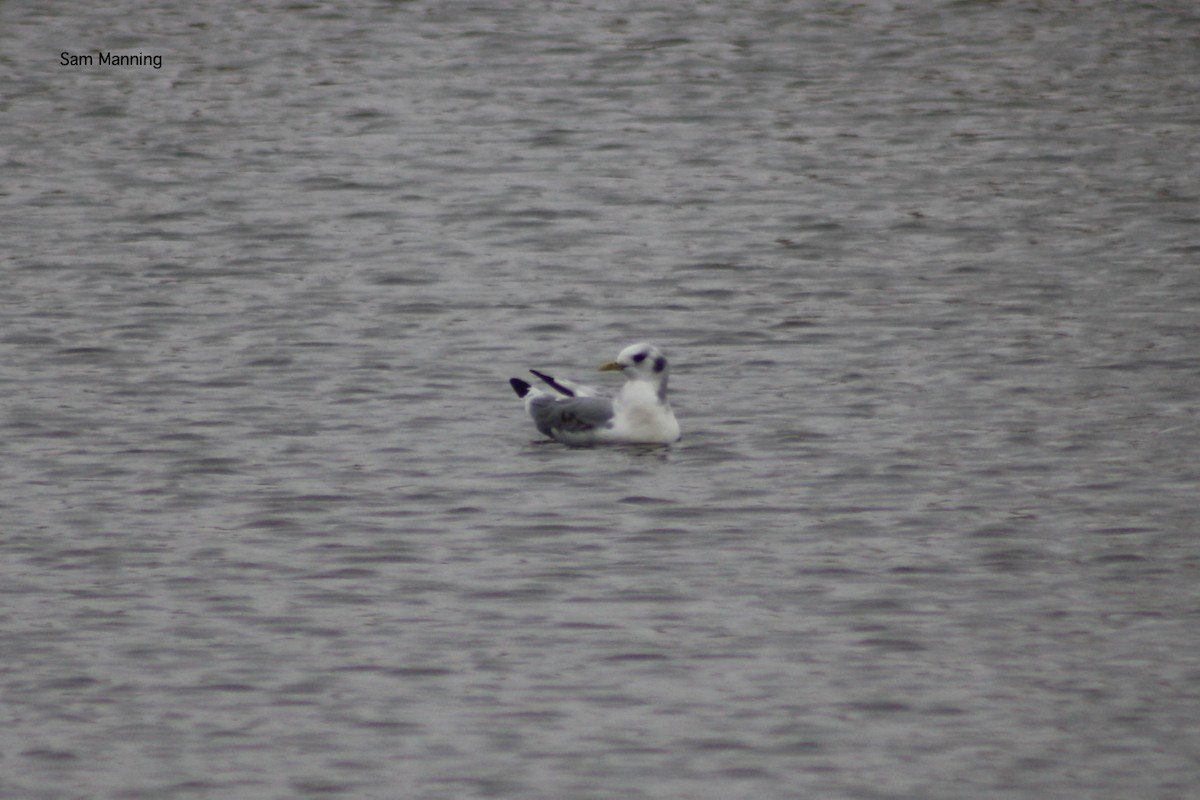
(641, 361)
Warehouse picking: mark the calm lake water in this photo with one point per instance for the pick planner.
(273, 524)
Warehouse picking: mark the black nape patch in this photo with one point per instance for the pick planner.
(660, 364)
(519, 386)
(558, 387)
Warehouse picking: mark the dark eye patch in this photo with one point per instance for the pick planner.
(639, 358)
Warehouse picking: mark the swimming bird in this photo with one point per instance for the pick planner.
(576, 414)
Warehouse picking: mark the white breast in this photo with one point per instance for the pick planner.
(640, 417)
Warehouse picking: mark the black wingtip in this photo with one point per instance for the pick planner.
(519, 386)
(558, 387)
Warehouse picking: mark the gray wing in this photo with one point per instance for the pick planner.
(566, 386)
(570, 418)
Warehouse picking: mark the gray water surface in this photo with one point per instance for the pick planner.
(273, 525)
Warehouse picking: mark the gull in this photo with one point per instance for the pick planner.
(575, 414)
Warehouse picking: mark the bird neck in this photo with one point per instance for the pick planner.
(645, 390)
